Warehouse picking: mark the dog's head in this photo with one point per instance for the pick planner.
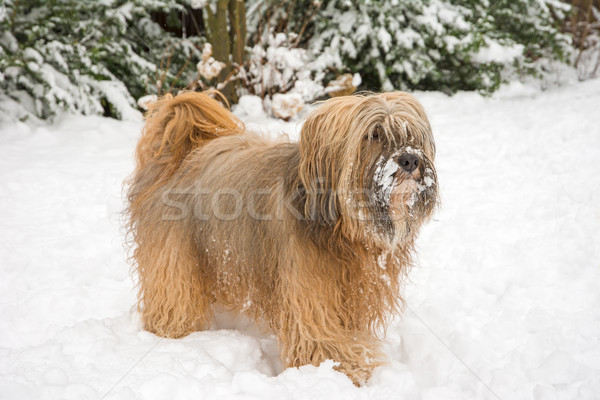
(367, 166)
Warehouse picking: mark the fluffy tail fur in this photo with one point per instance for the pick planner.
(177, 125)
(174, 127)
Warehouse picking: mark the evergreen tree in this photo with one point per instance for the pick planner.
(100, 56)
(438, 44)
(89, 57)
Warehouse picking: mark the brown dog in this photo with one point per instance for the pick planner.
(312, 237)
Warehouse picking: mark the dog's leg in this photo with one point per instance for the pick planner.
(315, 323)
(174, 295)
(311, 337)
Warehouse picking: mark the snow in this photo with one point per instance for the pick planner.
(208, 67)
(251, 110)
(117, 95)
(279, 66)
(144, 102)
(197, 4)
(502, 303)
(498, 53)
(286, 105)
(384, 176)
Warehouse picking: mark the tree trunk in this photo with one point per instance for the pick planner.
(237, 33)
(227, 34)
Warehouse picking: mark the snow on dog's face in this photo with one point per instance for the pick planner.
(404, 186)
(367, 166)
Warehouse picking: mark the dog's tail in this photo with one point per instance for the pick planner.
(177, 125)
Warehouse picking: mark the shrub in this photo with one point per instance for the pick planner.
(443, 45)
(88, 57)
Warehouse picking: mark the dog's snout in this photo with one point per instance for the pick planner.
(408, 162)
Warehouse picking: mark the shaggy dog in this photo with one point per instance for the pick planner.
(314, 237)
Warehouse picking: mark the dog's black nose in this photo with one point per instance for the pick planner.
(408, 162)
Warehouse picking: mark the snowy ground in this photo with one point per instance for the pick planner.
(503, 302)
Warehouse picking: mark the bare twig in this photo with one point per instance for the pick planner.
(187, 61)
(307, 19)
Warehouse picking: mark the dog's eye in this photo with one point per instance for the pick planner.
(372, 136)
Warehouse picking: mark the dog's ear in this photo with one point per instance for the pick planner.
(318, 170)
(319, 202)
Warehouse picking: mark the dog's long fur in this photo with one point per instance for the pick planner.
(296, 234)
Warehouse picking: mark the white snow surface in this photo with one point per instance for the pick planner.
(503, 301)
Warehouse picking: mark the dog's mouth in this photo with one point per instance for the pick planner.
(404, 196)
(401, 186)
(411, 188)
